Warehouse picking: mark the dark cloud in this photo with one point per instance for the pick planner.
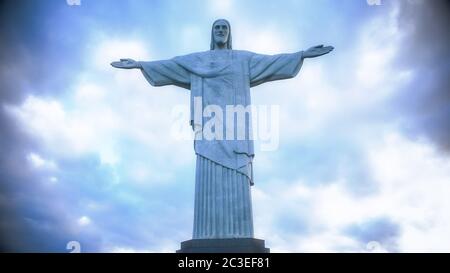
(322, 160)
(13, 172)
(41, 49)
(381, 230)
(33, 56)
(425, 103)
(37, 216)
(34, 215)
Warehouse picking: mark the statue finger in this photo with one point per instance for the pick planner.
(117, 64)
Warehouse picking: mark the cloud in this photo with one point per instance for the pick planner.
(106, 107)
(425, 103)
(399, 216)
(84, 221)
(220, 8)
(86, 157)
(364, 187)
(103, 141)
(381, 230)
(334, 108)
(109, 50)
(40, 163)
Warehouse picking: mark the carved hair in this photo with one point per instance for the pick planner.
(229, 41)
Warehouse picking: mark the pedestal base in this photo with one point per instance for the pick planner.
(238, 245)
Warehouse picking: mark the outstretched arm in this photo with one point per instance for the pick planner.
(317, 51)
(159, 73)
(266, 68)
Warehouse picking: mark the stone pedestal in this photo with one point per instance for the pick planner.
(238, 245)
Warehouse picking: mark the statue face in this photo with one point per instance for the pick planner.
(221, 32)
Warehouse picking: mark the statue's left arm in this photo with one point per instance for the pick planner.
(265, 68)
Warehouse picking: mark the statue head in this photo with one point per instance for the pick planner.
(221, 34)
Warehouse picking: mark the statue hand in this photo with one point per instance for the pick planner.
(317, 51)
(126, 64)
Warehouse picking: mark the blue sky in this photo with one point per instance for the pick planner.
(87, 152)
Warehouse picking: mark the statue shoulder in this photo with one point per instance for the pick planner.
(191, 59)
(194, 55)
(244, 54)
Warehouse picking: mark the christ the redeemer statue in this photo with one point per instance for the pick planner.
(222, 77)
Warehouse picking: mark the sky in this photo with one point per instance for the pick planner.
(88, 154)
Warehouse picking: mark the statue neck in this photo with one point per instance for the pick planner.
(220, 47)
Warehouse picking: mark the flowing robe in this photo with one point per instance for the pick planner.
(224, 171)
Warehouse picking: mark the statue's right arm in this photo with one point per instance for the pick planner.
(159, 73)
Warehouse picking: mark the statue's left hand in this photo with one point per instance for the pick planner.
(317, 51)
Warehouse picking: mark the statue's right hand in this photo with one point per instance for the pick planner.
(126, 64)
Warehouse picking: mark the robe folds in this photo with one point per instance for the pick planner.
(222, 78)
